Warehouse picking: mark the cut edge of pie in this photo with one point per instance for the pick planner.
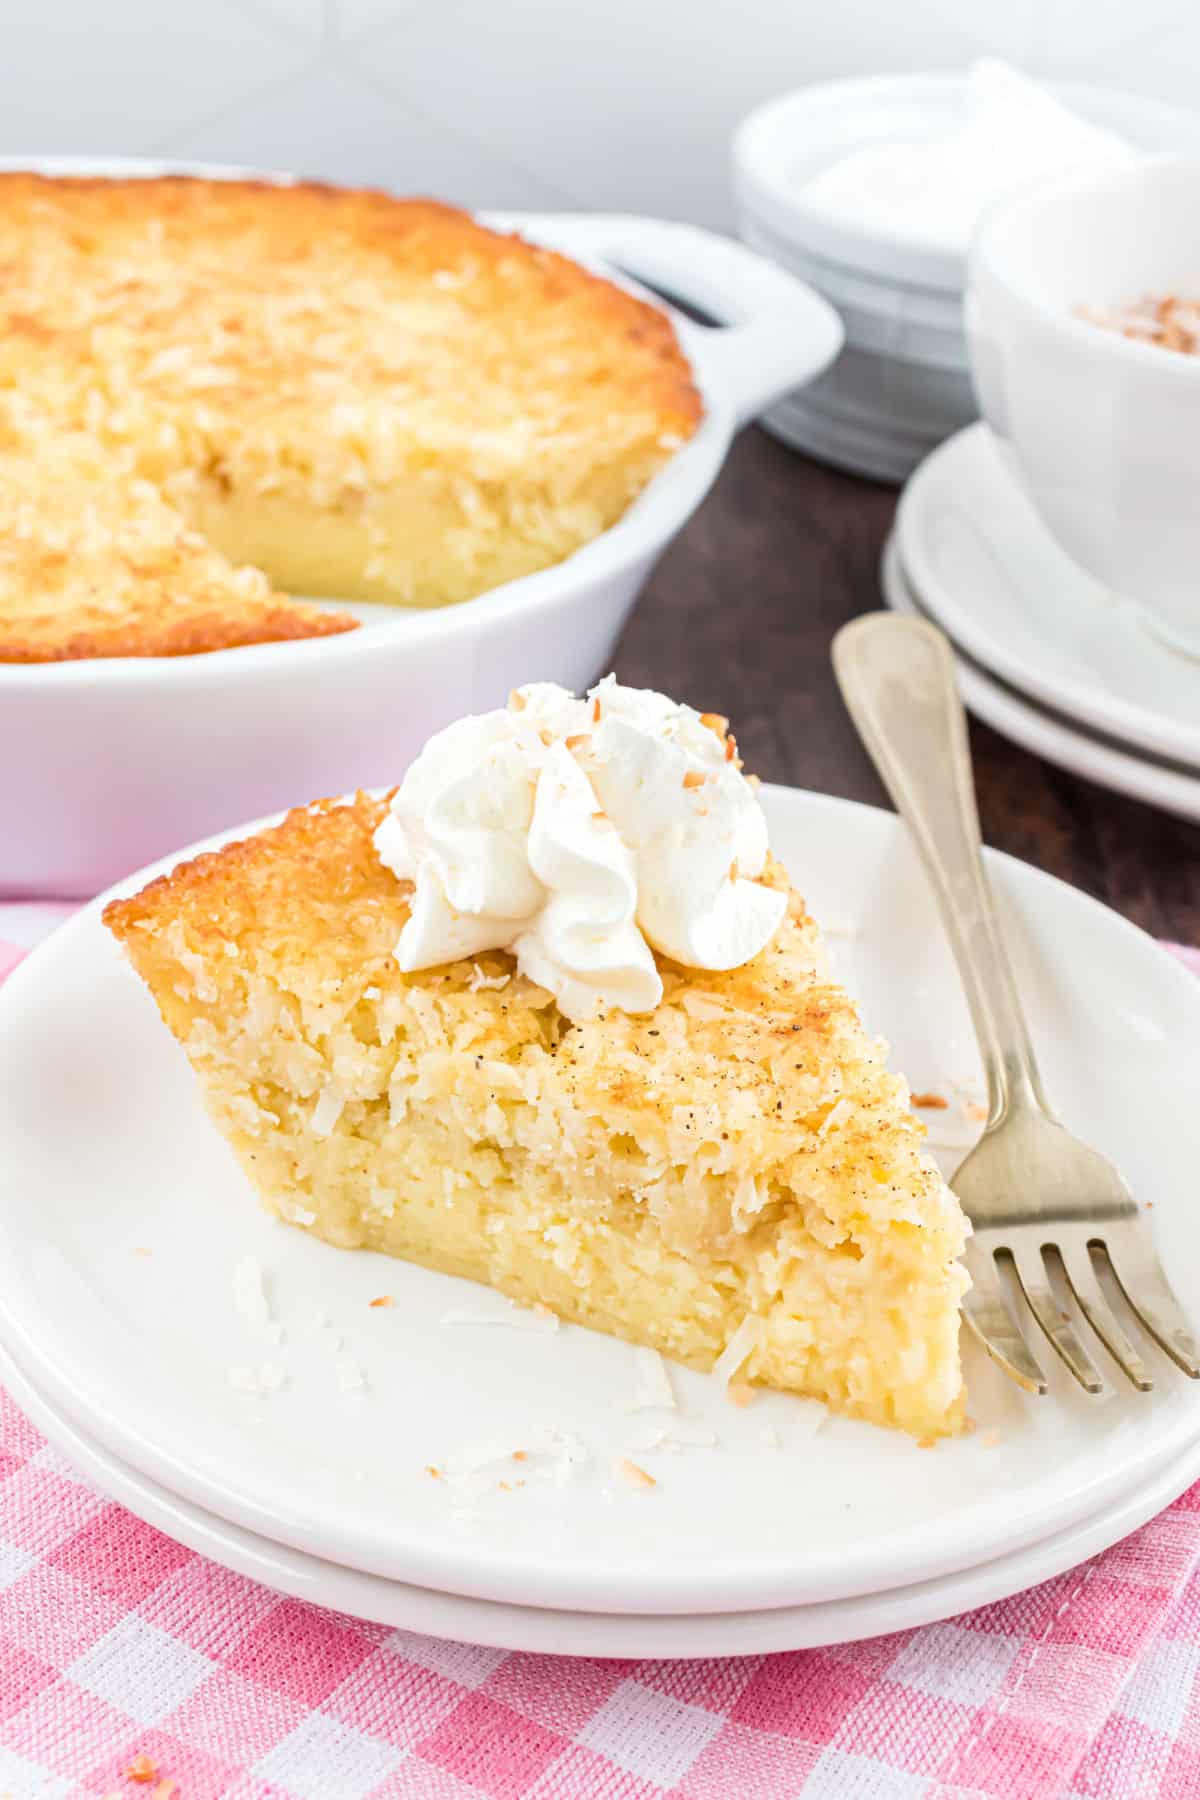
(94, 562)
(741, 1154)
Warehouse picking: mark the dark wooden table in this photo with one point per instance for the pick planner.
(739, 617)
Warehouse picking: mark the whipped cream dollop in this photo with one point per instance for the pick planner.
(583, 835)
(936, 187)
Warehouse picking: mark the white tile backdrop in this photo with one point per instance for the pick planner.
(601, 103)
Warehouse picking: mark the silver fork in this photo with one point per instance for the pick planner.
(1054, 1224)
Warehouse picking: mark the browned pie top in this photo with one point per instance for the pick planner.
(305, 339)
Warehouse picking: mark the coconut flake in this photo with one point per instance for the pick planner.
(328, 1110)
(807, 1418)
(681, 1436)
(382, 1202)
(839, 928)
(517, 1318)
(292, 1211)
(349, 1376)
(699, 1006)
(635, 1476)
(685, 1436)
(249, 1292)
(652, 1384)
(477, 980)
(544, 1456)
(473, 1459)
(839, 1112)
(264, 1380)
(740, 1346)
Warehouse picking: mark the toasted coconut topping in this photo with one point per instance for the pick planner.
(634, 1474)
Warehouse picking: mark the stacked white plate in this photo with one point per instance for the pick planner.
(902, 383)
(227, 1377)
(1046, 654)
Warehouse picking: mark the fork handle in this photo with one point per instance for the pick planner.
(898, 681)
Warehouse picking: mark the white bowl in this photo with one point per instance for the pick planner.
(903, 384)
(105, 764)
(1103, 431)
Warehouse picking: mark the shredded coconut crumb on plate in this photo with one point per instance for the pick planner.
(547, 1457)
(770, 1437)
(268, 1377)
(517, 1318)
(681, 1436)
(249, 1292)
(839, 928)
(634, 1474)
(652, 1383)
(349, 1375)
(806, 1418)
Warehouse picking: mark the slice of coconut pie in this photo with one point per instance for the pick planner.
(551, 1018)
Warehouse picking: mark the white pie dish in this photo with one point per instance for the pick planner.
(104, 764)
(541, 1629)
(105, 1152)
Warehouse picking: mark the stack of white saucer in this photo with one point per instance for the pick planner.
(888, 251)
(1049, 656)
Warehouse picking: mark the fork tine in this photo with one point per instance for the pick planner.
(988, 1316)
(1053, 1320)
(1075, 1274)
(1148, 1292)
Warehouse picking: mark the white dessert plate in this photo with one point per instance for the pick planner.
(544, 1629)
(990, 573)
(1068, 746)
(123, 1218)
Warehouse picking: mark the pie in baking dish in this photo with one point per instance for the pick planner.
(716, 1163)
(298, 390)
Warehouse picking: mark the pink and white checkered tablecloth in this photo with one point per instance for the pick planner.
(121, 1650)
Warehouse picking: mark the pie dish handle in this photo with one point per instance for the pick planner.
(773, 332)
